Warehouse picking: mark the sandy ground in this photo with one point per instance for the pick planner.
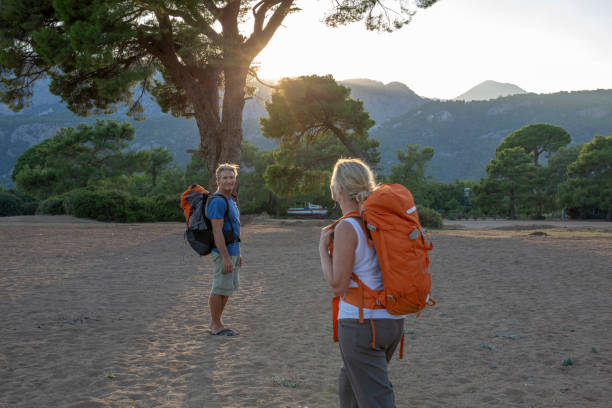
(529, 224)
(115, 315)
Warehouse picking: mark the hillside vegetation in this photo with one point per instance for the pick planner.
(463, 134)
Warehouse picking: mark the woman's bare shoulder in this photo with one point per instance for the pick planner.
(345, 231)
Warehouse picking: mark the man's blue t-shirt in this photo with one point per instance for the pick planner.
(216, 209)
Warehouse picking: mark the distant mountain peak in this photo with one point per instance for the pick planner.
(363, 82)
(396, 85)
(490, 90)
(383, 101)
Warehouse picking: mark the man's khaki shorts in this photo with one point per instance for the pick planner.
(225, 283)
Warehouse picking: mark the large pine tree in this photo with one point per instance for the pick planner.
(193, 56)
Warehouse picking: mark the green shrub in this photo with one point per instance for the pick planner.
(120, 206)
(165, 207)
(429, 218)
(101, 205)
(9, 204)
(140, 210)
(25, 204)
(53, 205)
(29, 207)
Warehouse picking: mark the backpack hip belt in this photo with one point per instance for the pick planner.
(363, 297)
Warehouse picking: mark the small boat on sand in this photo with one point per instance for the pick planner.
(308, 210)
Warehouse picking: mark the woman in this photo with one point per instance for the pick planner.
(364, 380)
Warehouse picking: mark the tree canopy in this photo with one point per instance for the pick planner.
(554, 174)
(76, 158)
(254, 196)
(510, 180)
(307, 107)
(316, 122)
(536, 139)
(410, 169)
(590, 177)
(159, 159)
(189, 55)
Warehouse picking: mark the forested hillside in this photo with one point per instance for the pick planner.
(46, 115)
(464, 135)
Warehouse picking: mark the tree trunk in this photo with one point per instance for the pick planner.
(512, 210)
(609, 215)
(233, 104)
(221, 132)
(210, 144)
(203, 93)
(536, 156)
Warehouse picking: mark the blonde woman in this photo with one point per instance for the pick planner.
(364, 380)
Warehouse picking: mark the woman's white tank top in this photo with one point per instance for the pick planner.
(367, 270)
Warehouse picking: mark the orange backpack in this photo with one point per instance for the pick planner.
(191, 201)
(391, 223)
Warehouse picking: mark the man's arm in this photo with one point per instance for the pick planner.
(217, 227)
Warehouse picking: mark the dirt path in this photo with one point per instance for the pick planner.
(115, 315)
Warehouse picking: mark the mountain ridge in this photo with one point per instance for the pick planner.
(463, 134)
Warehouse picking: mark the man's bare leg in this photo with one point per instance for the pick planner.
(216, 303)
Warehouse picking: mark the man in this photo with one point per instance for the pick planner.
(227, 259)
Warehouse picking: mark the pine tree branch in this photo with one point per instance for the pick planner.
(195, 20)
(210, 6)
(253, 73)
(262, 35)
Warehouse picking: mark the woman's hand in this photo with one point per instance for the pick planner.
(327, 234)
(337, 271)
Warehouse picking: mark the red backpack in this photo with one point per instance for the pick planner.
(391, 223)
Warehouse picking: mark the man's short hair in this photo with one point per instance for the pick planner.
(224, 167)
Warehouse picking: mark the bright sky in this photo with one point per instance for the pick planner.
(542, 46)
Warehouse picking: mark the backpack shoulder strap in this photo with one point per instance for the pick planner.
(350, 214)
(226, 213)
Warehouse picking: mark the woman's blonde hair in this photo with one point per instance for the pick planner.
(354, 177)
